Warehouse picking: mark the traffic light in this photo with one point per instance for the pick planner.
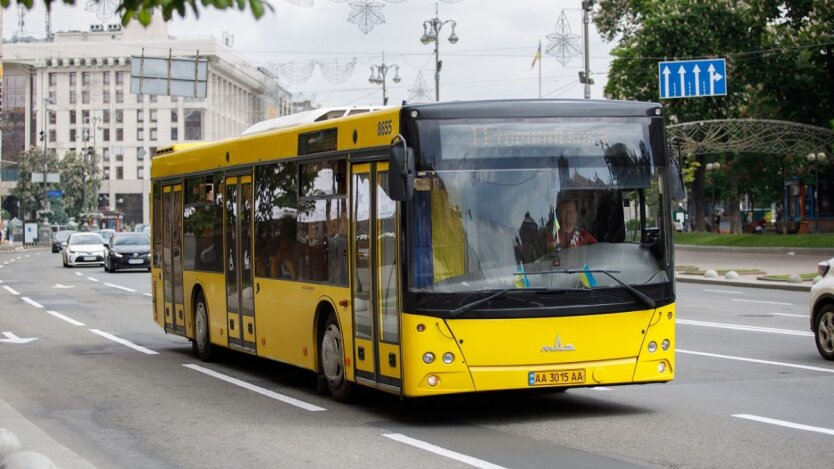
(41, 135)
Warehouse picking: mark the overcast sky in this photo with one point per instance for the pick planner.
(491, 60)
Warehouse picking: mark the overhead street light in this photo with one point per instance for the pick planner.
(379, 75)
(431, 33)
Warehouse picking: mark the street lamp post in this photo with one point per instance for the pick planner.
(711, 168)
(431, 33)
(816, 160)
(47, 101)
(379, 75)
(89, 157)
(586, 9)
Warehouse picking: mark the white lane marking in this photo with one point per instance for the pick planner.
(27, 255)
(257, 389)
(601, 388)
(65, 318)
(120, 288)
(126, 343)
(441, 451)
(761, 362)
(92, 279)
(31, 302)
(148, 294)
(1, 281)
(803, 316)
(737, 327)
(79, 274)
(783, 423)
(11, 290)
(763, 302)
(725, 291)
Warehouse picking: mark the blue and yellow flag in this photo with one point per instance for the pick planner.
(538, 56)
(587, 278)
(521, 280)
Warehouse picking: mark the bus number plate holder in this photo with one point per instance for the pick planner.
(556, 377)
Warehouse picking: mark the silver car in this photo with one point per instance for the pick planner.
(83, 249)
(822, 310)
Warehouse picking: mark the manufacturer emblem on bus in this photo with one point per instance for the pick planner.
(558, 346)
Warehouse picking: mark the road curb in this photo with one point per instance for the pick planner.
(731, 283)
(780, 250)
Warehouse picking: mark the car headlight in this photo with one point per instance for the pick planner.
(116, 254)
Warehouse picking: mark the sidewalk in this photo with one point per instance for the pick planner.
(765, 261)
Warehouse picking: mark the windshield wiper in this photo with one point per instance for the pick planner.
(637, 293)
(469, 306)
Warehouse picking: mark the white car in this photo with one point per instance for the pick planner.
(84, 249)
(822, 310)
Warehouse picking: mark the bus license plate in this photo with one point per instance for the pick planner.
(556, 377)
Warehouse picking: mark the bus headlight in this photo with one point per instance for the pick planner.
(428, 358)
(665, 344)
(661, 367)
(652, 347)
(433, 380)
(448, 357)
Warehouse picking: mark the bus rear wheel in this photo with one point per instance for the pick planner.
(331, 353)
(201, 345)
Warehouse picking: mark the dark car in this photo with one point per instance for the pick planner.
(60, 237)
(128, 250)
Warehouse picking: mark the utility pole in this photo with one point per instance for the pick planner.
(586, 18)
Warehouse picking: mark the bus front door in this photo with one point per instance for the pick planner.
(240, 297)
(376, 318)
(172, 258)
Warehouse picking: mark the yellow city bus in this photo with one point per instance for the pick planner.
(421, 250)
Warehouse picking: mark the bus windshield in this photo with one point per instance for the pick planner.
(536, 204)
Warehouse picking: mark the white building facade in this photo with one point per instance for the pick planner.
(76, 90)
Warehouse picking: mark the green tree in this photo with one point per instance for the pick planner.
(31, 194)
(59, 213)
(79, 178)
(142, 10)
(651, 31)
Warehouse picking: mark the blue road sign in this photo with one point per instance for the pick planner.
(692, 78)
(54, 194)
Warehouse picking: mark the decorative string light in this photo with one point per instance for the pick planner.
(103, 9)
(296, 73)
(563, 44)
(420, 93)
(365, 14)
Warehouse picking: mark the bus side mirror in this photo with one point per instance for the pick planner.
(676, 186)
(401, 172)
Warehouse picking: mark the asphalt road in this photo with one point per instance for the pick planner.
(103, 386)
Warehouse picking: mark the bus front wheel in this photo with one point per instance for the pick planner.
(333, 361)
(201, 345)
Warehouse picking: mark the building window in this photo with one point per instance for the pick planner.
(140, 115)
(120, 157)
(53, 136)
(53, 79)
(85, 116)
(173, 116)
(105, 155)
(140, 172)
(152, 98)
(120, 116)
(105, 78)
(120, 78)
(52, 117)
(105, 116)
(154, 135)
(72, 117)
(85, 96)
(140, 134)
(153, 115)
(120, 172)
(53, 96)
(120, 134)
(85, 78)
(105, 95)
(140, 154)
(106, 173)
(194, 124)
(120, 96)
(175, 134)
(106, 135)
(72, 77)
(72, 135)
(72, 96)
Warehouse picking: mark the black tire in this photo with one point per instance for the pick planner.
(331, 357)
(106, 268)
(64, 260)
(824, 325)
(201, 345)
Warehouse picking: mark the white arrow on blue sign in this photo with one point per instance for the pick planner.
(692, 78)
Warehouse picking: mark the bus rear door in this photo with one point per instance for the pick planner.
(240, 299)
